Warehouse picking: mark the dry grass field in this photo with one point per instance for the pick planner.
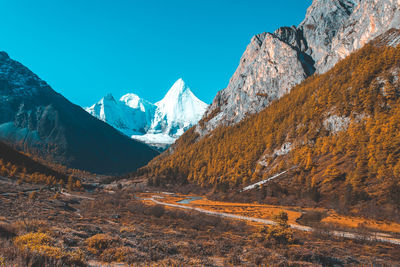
(46, 228)
(329, 217)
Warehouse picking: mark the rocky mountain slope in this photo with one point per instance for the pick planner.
(337, 132)
(158, 124)
(274, 62)
(36, 119)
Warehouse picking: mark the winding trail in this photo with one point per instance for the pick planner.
(379, 236)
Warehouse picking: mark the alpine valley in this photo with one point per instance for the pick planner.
(295, 163)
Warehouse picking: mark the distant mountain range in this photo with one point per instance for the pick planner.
(37, 120)
(158, 124)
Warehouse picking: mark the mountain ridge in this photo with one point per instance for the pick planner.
(274, 62)
(37, 120)
(159, 124)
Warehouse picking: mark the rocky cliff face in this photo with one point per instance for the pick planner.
(274, 62)
(269, 68)
(334, 29)
(36, 119)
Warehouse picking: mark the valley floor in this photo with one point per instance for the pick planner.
(46, 228)
(258, 214)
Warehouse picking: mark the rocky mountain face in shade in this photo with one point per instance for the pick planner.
(275, 62)
(37, 120)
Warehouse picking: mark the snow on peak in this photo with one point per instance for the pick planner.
(128, 120)
(179, 110)
(134, 101)
(176, 90)
(131, 100)
(157, 124)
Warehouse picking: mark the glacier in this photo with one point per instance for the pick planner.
(158, 124)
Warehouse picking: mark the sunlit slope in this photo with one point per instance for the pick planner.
(341, 129)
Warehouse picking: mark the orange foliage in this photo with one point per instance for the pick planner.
(359, 164)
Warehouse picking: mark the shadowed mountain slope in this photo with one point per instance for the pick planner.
(36, 119)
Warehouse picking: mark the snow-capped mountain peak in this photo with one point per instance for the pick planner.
(130, 115)
(157, 124)
(178, 110)
(134, 101)
(177, 89)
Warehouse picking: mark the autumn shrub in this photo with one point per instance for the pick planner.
(281, 232)
(29, 253)
(100, 242)
(38, 242)
(76, 257)
(119, 254)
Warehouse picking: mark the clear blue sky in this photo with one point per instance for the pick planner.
(87, 48)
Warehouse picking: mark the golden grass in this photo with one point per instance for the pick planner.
(268, 211)
(355, 222)
(247, 209)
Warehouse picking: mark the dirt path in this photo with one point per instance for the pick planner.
(379, 236)
(76, 196)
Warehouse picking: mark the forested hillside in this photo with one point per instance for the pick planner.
(16, 165)
(341, 128)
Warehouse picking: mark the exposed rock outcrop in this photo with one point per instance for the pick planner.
(275, 62)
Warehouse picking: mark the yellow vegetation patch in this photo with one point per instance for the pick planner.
(38, 242)
(44, 244)
(355, 222)
(247, 209)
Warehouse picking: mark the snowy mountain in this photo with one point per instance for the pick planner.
(158, 124)
(130, 115)
(179, 110)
